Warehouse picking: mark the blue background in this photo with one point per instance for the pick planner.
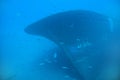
(20, 50)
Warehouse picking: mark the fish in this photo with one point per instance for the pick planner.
(71, 31)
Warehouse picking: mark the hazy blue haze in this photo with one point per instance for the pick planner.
(20, 50)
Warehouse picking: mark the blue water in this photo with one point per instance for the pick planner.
(22, 52)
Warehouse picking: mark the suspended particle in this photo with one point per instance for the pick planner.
(89, 44)
(61, 43)
(72, 25)
(55, 61)
(55, 55)
(48, 61)
(111, 25)
(18, 14)
(82, 59)
(66, 76)
(41, 64)
(74, 79)
(64, 67)
(84, 45)
(90, 67)
(79, 46)
(78, 39)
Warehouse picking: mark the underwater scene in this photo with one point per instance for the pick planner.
(60, 40)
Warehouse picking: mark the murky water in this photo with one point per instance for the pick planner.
(65, 51)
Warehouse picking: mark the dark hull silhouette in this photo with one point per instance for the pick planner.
(67, 30)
